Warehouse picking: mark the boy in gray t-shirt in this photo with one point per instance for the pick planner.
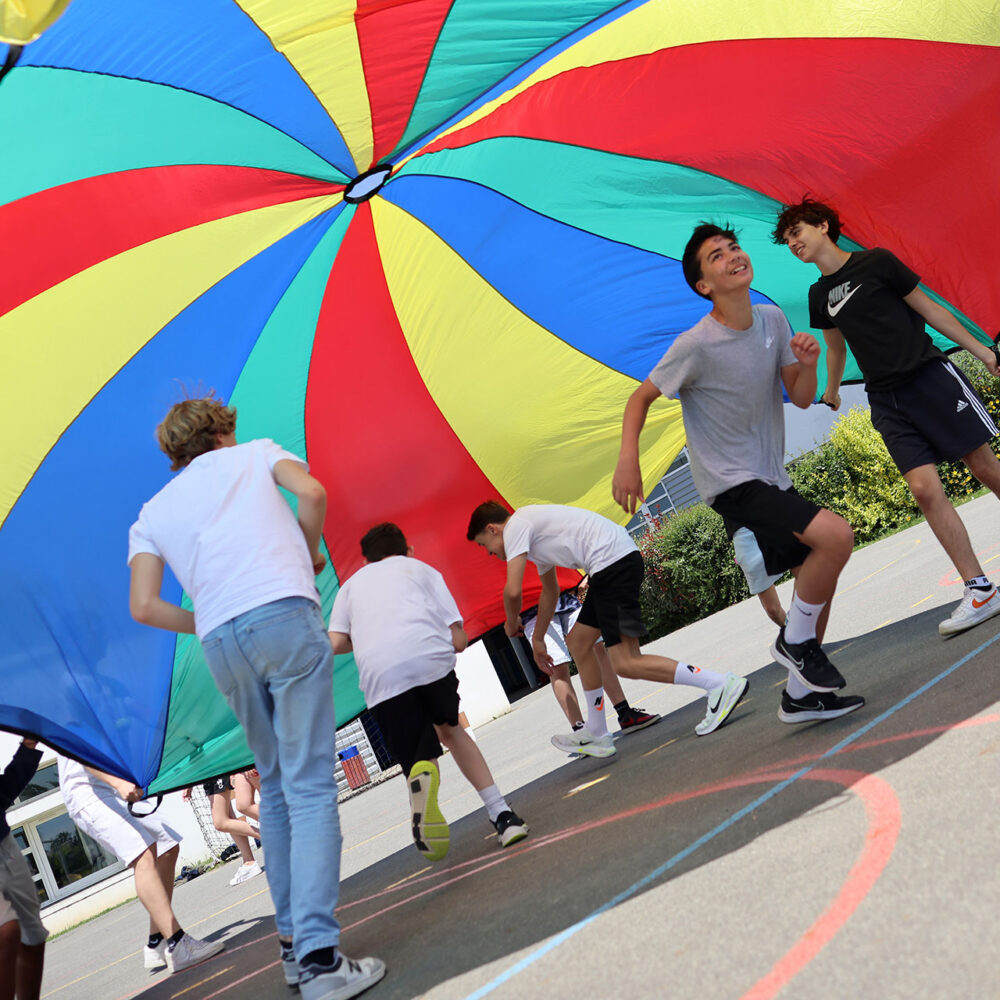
(728, 371)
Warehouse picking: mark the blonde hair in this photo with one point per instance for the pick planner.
(190, 428)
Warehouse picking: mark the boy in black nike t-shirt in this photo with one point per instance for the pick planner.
(924, 408)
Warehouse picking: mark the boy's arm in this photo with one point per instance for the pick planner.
(311, 495)
(836, 359)
(144, 599)
(626, 484)
(800, 379)
(18, 772)
(944, 322)
(512, 594)
(341, 642)
(547, 603)
(459, 637)
(126, 789)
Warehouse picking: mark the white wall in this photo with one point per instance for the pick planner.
(481, 693)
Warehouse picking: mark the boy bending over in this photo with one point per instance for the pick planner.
(406, 668)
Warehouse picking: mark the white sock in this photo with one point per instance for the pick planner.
(699, 677)
(802, 620)
(495, 803)
(979, 583)
(795, 688)
(596, 723)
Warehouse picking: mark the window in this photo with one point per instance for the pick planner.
(44, 780)
(71, 854)
(29, 855)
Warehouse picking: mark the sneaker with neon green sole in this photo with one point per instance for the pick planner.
(430, 829)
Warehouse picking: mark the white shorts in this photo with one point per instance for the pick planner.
(18, 895)
(108, 821)
(751, 561)
(555, 634)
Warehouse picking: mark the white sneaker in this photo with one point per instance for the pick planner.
(190, 951)
(245, 872)
(155, 958)
(581, 742)
(721, 701)
(351, 977)
(976, 606)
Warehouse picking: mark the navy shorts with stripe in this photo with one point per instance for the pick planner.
(934, 417)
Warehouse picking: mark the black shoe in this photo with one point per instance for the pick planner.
(807, 661)
(510, 828)
(632, 720)
(816, 707)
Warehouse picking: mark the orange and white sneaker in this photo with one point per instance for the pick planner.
(976, 606)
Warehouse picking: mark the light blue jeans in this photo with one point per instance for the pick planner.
(274, 665)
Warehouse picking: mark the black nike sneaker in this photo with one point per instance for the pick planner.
(807, 661)
(816, 707)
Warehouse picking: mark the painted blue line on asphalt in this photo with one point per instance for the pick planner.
(652, 876)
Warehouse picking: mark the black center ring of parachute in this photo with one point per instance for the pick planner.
(365, 185)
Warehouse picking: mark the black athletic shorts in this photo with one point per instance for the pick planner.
(612, 601)
(407, 720)
(217, 786)
(772, 514)
(936, 416)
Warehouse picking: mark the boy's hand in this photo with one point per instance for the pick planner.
(626, 485)
(513, 628)
(805, 347)
(831, 399)
(319, 563)
(989, 357)
(128, 791)
(541, 656)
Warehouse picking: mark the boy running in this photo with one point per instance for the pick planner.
(922, 405)
(406, 669)
(234, 544)
(728, 371)
(551, 535)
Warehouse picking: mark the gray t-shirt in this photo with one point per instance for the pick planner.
(729, 385)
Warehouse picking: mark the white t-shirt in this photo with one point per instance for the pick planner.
(228, 534)
(398, 613)
(554, 535)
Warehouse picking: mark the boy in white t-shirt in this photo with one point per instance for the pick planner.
(247, 564)
(406, 668)
(552, 535)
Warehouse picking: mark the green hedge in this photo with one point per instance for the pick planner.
(690, 567)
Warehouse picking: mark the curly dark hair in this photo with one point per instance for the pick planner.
(810, 211)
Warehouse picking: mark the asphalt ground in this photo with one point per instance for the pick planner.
(853, 858)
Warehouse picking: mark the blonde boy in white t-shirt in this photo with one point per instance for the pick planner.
(398, 617)
(553, 535)
(248, 565)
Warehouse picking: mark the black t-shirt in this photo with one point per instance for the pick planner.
(864, 301)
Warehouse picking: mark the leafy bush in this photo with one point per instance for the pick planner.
(853, 475)
(690, 570)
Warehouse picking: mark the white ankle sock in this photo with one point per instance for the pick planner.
(698, 677)
(495, 803)
(596, 723)
(802, 620)
(795, 688)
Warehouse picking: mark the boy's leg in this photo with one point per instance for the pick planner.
(10, 943)
(30, 966)
(153, 894)
(925, 485)
(831, 542)
(466, 754)
(985, 466)
(225, 822)
(771, 604)
(562, 688)
(287, 714)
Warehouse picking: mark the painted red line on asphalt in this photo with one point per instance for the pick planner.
(236, 982)
(882, 808)
(911, 735)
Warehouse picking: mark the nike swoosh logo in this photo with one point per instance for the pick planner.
(769, 341)
(833, 310)
(979, 604)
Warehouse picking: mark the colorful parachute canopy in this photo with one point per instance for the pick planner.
(431, 245)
